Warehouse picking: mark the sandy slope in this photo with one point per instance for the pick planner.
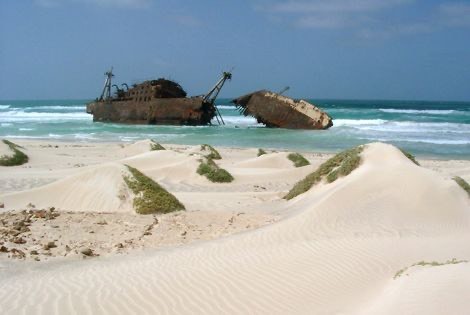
(336, 252)
(100, 189)
(167, 165)
(425, 290)
(5, 150)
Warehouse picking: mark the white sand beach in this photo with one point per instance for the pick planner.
(391, 237)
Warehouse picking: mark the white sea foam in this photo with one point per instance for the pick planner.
(84, 136)
(238, 121)
(4, 106)
(128, 139)
(226, 107)
(20, 116)
(59, 107)
(25, 137)
(418, 111)
(418, 127)
(358, 122)
(163, 136)
(25, 129)
(421, 140)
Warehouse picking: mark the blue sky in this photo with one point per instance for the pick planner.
(362, 49)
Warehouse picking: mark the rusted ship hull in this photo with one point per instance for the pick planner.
(278, 111)
(157, 111)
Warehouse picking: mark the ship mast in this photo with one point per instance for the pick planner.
(106, 94)
(283, 90)
(211, 96)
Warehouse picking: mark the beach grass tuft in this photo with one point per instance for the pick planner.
(261, 152)
(339, 165)
(213, 172)
(410, 156)
(462, 183)
(154, 146)
(18, 157)
(298, 159)
(150, 197)
(453, 261)
(213, 153)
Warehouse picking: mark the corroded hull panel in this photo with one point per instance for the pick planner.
(161, 111)
(278, 111)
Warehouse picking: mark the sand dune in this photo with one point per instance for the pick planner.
(5, 149)
(101, 189)
(336, 252)
(268, 168)
(271, 160)
(426, 290)
(136, 148)
(167, 165)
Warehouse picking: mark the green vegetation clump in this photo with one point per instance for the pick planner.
(462, 183)
(213, 172)
(298, 159)
(340, 165)
(261, 152)
(154, 146)
(18, 157)
(426, 263)
(410, 156)
(213, 155)
(150, 196)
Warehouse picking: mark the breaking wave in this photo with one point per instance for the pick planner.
(423, 140)
(358, 122)
(239, 121)
(57, 107)
(419, 111)
(21, 116)
(226, 107)
(403, 126)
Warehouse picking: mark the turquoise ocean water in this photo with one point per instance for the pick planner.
(431, 129)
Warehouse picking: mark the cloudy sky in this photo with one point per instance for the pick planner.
(353, 49)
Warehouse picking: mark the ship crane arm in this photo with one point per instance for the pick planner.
(106, 94)
(211, 96)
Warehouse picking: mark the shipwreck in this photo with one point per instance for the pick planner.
(159, 102)
(278, 111)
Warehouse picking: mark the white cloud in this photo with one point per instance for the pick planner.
(455, 14)
(318, 6)
(388, 31)
(324, 21)
(137, 4)
(186, 20)
(332, 14)
(368, 18)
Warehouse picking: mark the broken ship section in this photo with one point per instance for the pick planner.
(277, 111)
(156, 102)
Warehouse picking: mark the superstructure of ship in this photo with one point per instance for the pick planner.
(159, 102)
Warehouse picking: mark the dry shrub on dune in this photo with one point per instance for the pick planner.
(339, 165)
(154, 146)
(298, 159)
(150, 197)
(410, 156)
(462, 183)
(261, 152)
(213, 153)
(213, 172)
(18, 157)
